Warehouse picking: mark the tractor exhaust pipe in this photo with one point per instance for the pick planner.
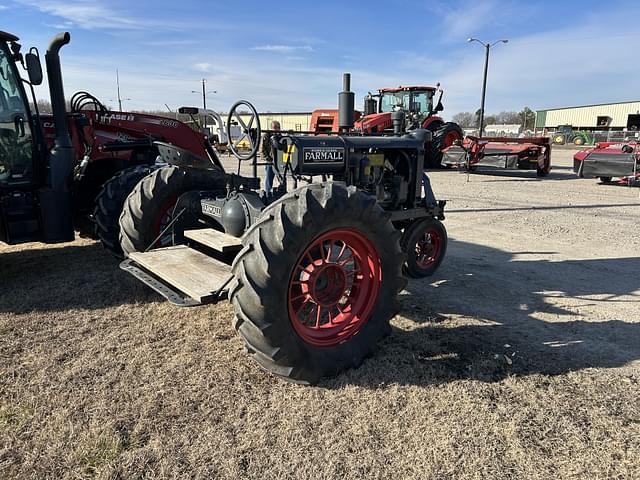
(55, 198)
(346, 104)
(56, 90)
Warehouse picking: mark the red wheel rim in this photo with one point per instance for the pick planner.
(450, 138)
(334, 287)
(162, 221)
(428, 248)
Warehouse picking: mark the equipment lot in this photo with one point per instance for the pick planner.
(518, 359)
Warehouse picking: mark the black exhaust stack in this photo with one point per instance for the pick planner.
(370, 105)
(55, 198)
(346, 104)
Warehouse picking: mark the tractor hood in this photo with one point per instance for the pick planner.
(374, 123)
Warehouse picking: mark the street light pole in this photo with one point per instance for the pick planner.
(487, 47)
(118, 85)
(204, 95)
(204, 98)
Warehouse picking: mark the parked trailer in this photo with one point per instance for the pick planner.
(501, 152)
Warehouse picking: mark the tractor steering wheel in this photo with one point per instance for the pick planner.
(248, 130)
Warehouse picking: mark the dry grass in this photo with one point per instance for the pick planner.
(99, 378)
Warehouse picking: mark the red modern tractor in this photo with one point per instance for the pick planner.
(59, 170)
(417, 103)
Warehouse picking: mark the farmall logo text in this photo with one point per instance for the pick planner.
(209, 209)
(117, 117)
(323, 154)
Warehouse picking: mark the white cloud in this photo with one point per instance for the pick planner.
(93, 15)
(283, 48)
(202, 67)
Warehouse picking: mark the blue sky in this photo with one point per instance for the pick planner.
(289, 56)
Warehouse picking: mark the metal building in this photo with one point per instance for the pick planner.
(296, 121)
(605, 116)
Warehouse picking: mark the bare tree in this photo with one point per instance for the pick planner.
(508, 118)
(464, 119)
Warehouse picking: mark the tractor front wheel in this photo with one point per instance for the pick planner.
(110, 201)
(148, 210)
(425, 243)
(316, 282)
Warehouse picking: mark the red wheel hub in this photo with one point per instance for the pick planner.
(428, 248)
(450, 138)
(334, 287)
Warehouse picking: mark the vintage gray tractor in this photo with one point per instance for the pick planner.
(313, 273)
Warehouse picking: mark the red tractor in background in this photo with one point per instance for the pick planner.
(417, 102)
(59, 171)
(114, 151)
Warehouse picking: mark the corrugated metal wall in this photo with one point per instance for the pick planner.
(288, 121)
(587, 117)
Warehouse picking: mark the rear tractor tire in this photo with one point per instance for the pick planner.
(109, 204)
(443, 137)
(425, 243)
(316, 282)
(149, 208)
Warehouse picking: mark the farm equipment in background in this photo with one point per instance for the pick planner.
(609, 160)
(417, 103)
(313, 274)
(62, 171)
(566, 134)
(210, 124)
(502, 152)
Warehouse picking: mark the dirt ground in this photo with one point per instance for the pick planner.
(518, 359)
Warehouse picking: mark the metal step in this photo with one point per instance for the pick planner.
(214, 239)
(197, 275)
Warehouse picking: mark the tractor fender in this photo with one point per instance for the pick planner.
(431, 120)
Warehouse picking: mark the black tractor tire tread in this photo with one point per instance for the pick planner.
(109, 204)
(271, 248)
(406, 239)
(440, 131)
(138, 217)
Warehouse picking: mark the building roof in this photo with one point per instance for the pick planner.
(407, 89)
(587, 106)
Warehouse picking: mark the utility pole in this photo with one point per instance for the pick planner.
(204, 98)
(487, 47)
(204, 94)
(118, 85)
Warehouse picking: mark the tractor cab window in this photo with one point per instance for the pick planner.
(421, 102)
(415, 102)
(16, 147)
(390, 101)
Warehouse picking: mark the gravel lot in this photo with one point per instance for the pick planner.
(519, 359)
